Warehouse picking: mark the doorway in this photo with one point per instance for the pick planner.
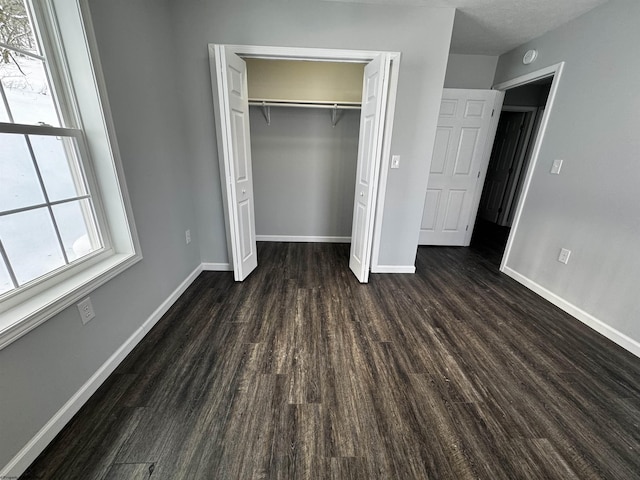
(231, 104)
(453, 212)
(523, 119)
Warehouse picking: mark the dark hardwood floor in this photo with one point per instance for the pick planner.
(300, 372)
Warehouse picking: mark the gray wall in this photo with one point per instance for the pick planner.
(42, 370)
(592, 207)
(470, 71)
(421, 34)
(304, 171)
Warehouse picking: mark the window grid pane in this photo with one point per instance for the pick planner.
(25, 73)
(59, 166)
(12, 282)
(18, 30)
(56, 228)
(5, 116)
(26, 85)
(29, 239)
(74, 220)
(6, 285)
(18, 175)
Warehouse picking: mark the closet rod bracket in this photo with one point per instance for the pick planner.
(336, 115)
(266, 111)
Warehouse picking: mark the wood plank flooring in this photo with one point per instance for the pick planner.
(300, 372)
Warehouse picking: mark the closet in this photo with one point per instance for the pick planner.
(304, 122)
(303, 162)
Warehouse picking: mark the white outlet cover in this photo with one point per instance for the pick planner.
(85, 307)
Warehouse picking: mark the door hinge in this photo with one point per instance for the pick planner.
(466, 229)
(478, 175)
(493, 110)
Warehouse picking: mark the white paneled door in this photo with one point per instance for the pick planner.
(465, 132)
(374, 93)
(233, 139)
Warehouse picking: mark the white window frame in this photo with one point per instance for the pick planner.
(69, 43)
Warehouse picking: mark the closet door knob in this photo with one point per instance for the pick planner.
(362, 194)
(244, 191)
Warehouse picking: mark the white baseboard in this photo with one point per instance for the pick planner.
(217, 267)
(393, 269)
(599, 326)
(302, 239)
(39, 442)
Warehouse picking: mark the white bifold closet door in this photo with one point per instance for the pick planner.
(374, 100)
(234, 140)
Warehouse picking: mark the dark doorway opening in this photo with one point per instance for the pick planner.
(512, 150)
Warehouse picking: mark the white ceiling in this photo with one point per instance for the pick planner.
(492, 27)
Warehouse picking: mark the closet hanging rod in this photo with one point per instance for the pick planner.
(326, 105)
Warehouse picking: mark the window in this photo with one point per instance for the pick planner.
(47, 214)
(59, 238)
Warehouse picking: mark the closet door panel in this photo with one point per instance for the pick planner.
(374, 99)
(230, 85)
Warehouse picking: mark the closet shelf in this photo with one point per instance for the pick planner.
(333, 106)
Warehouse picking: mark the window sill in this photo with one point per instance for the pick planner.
(26, 316)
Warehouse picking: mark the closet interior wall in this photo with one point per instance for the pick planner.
(304, 166)
(303, 173)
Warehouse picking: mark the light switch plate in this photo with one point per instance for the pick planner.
(556, 167)
(395, 161)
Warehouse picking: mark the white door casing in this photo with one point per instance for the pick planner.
(232, 111)
(554, 71)
(466, 127)
(374, 100)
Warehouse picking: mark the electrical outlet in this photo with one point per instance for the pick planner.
(395, 161)
(564, 256)
(86, 310)
(187, 236)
